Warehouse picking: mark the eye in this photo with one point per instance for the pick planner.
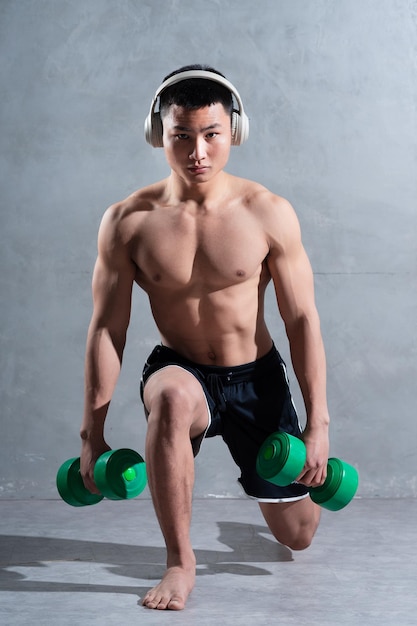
(211, 135)
(181, 136)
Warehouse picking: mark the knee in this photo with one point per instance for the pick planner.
(301, 540)
(297, 535)
(171, 406)
(300, 536)
(296, 541)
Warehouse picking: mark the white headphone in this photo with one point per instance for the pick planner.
(153, 123)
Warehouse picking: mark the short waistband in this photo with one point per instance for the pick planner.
(234, 374)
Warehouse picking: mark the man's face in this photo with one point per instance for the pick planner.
(197, 142)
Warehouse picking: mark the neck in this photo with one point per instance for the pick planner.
(201, 193)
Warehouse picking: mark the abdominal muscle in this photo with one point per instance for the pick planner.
(224, 328)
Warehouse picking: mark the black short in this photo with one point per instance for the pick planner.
(245, 403)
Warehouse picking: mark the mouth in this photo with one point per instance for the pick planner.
(198, 169)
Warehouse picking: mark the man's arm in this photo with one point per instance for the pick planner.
(112, 283)
(294, 287)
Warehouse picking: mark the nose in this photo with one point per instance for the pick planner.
(199, 150)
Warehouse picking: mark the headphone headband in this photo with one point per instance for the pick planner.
(178, 78)
(153, 123)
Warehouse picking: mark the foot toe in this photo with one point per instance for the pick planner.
(175, 604)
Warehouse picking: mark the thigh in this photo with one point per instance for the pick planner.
(179, 389)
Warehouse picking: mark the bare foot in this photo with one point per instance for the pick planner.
(173, 590)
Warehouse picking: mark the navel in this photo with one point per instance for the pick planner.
(211, 356)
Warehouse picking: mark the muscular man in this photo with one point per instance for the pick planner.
(204, 245)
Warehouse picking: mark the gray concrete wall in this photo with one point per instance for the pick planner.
(331, 91)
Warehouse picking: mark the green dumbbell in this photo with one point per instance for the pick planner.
(118, 474)
(281, 459)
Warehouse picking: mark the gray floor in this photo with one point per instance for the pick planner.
(66, 566)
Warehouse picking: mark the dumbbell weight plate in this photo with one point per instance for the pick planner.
(281, 459)
(120, 474)
(71, 487)
(339, 487)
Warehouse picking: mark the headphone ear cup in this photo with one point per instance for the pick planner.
(240, 128)
(235, 129)
(154, 130)
(147, 129)
(244, 127)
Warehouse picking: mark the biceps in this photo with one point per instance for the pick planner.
(294, 286)
(112, 293)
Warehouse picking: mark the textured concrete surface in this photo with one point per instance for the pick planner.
(90, 566)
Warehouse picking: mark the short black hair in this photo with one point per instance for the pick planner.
(195, 93)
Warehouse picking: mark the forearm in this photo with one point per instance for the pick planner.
(309, 363)
(102, 368)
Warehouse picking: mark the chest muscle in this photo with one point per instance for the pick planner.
(210, 253)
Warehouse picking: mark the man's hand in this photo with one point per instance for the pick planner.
(90, 452)
(317, 446)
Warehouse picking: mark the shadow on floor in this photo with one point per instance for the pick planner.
(248, 544)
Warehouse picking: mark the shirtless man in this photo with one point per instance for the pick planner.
(204, 244)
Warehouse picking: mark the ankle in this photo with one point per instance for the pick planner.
(185, 560)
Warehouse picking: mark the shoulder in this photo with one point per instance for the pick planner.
(267, 203)
(137, 203)
(275, 213)
(122, 218)
(122, 221)
(258, 197)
